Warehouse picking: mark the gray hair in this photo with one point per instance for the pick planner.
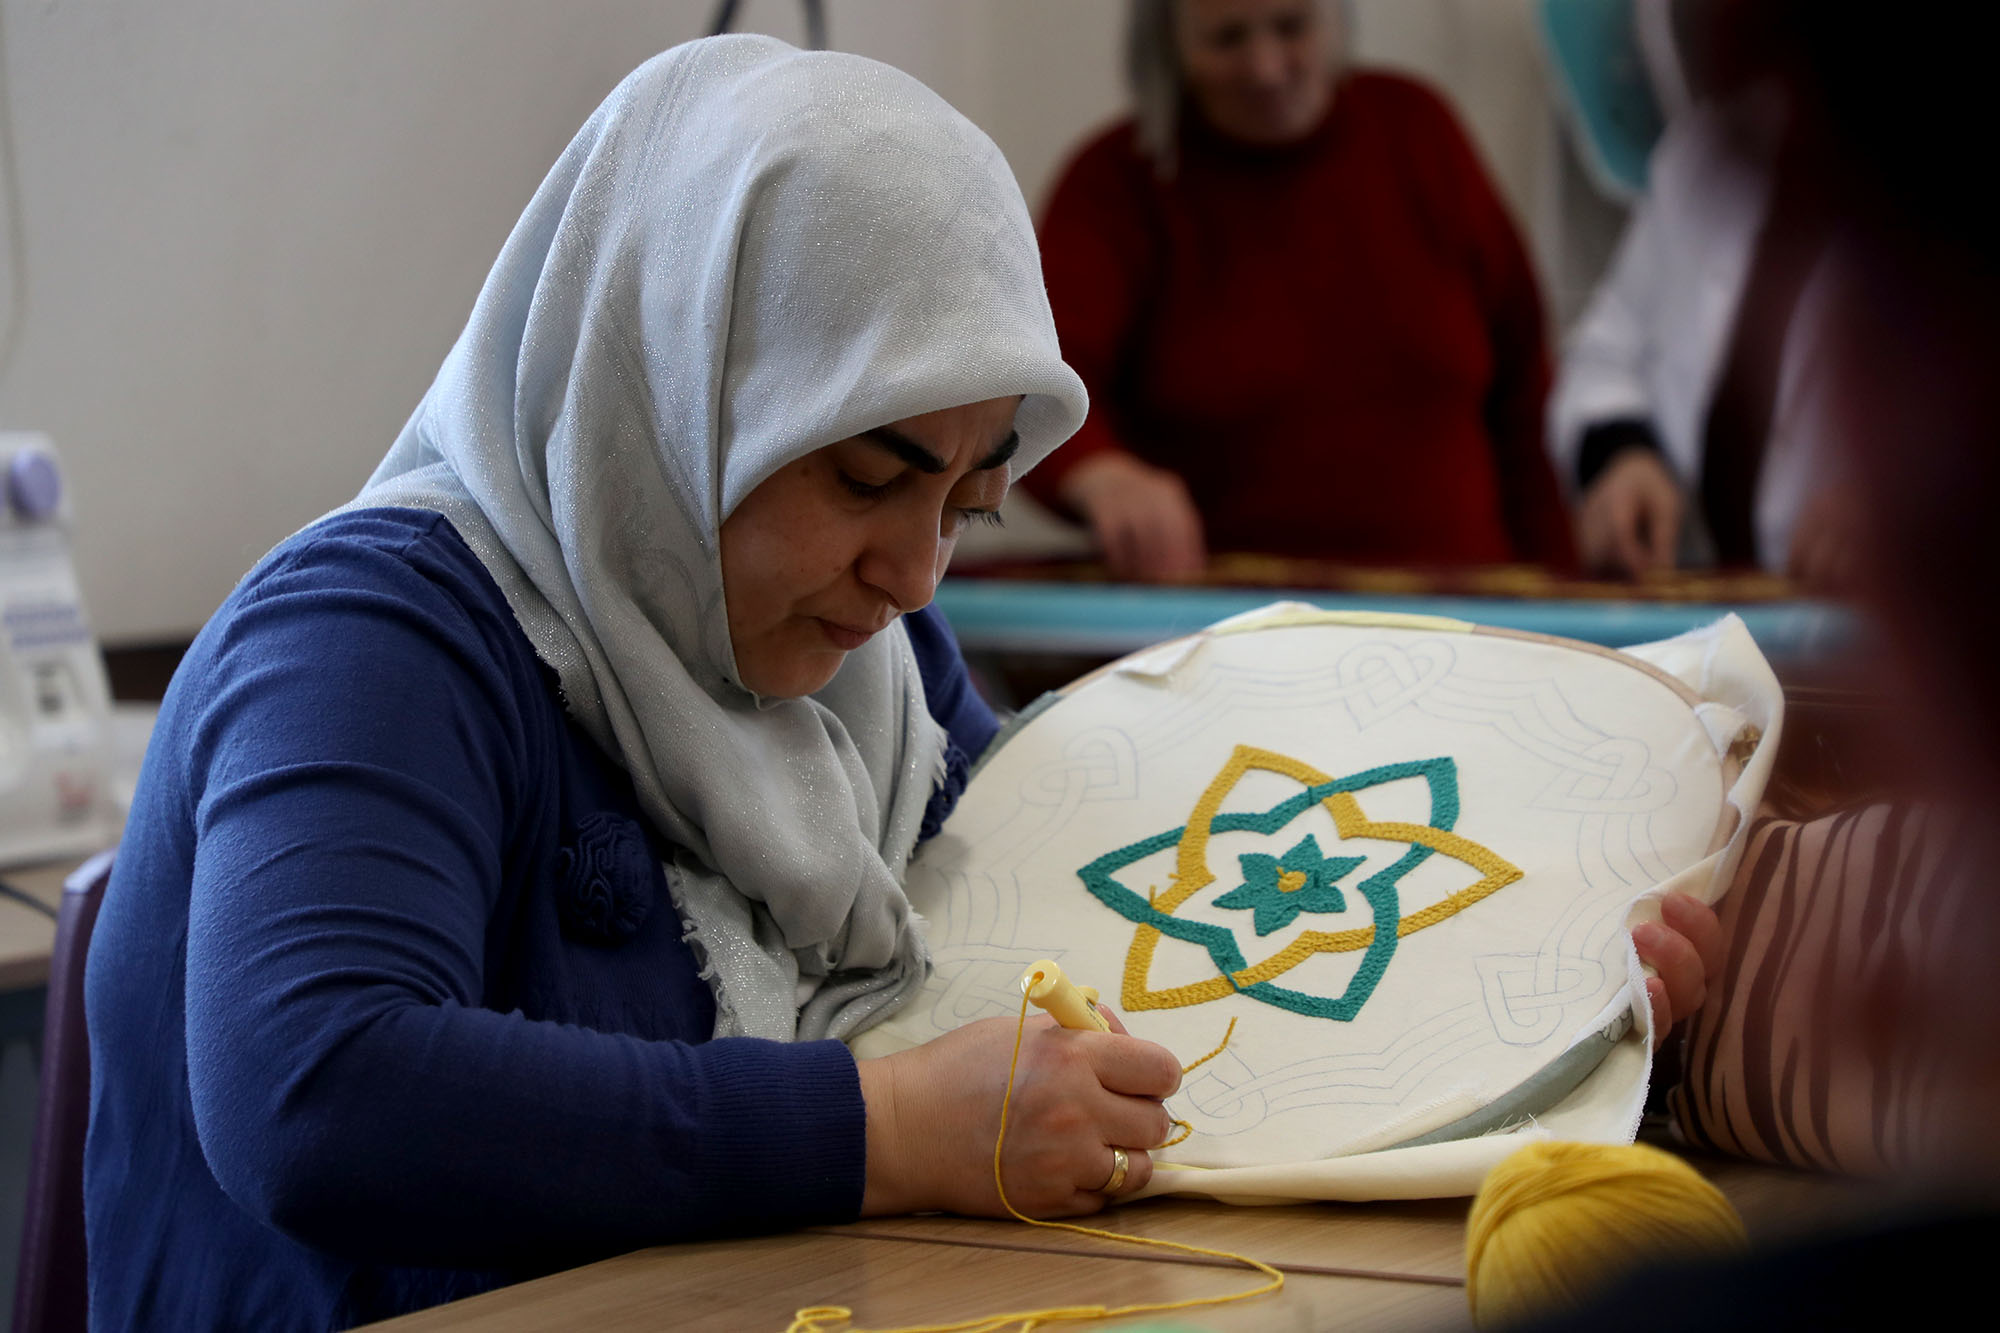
(1153, 72)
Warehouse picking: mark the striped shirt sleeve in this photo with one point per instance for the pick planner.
(1795, 1058)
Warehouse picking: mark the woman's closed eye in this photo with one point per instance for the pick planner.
(865, 489)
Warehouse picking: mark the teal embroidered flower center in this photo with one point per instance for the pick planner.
(1276, 889)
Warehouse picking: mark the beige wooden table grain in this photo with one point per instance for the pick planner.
(1421, 1241)
(1376, 1265)
(886, 1281)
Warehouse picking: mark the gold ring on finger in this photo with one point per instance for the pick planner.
(1120, 1164)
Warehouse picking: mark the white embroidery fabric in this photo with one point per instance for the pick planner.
(1600, 784)
(748, 252)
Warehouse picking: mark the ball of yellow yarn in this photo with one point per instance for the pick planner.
(1556, 1220)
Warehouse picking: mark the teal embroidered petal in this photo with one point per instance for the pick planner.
(1275, 890)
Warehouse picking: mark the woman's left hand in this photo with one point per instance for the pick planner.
(1685, 948)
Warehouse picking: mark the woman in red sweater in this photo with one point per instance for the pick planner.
(1306, 321)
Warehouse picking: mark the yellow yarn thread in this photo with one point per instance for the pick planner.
(824, 1318)
(1555, 1220)
(1187, 1130)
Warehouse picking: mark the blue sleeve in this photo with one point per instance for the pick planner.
(966, 717)
(363, 756)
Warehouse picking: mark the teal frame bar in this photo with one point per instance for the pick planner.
(1006, 615)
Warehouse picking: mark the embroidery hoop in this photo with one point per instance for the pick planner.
(1583, 1078)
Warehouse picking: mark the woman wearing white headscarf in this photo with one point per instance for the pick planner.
(513, 839)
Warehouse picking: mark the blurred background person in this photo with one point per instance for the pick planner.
(1854, 1020)
(1687, 407)
(1306, 319)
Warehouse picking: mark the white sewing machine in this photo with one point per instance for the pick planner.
(55, 702)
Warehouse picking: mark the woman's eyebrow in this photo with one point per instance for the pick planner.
(923, 460)
(905, 448)
(1001, 453)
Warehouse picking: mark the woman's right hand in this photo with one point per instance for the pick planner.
(934, 1113)
(1630, 519)
(1144, 522)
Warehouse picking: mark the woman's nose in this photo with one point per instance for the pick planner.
(1266, 61)
(905, 561)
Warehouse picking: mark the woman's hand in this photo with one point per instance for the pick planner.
(1630, 518)
(934, 1113)
(1685, 948)
(1826, 554)
(1145, 524)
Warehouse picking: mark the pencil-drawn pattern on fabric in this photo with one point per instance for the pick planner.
(1400, 858)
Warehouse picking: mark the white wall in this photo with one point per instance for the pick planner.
(249, 231)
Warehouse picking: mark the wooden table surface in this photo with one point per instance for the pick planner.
(27, 936)
(759, 1284)
(1382, 1266)
(1419, 1241)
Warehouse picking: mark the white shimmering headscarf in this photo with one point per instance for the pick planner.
(748, 253)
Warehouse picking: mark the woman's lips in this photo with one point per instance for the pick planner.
(844, 637)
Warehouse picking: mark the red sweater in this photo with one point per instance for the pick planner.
(1337, 343)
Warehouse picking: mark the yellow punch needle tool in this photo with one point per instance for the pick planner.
(1071, 1005)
